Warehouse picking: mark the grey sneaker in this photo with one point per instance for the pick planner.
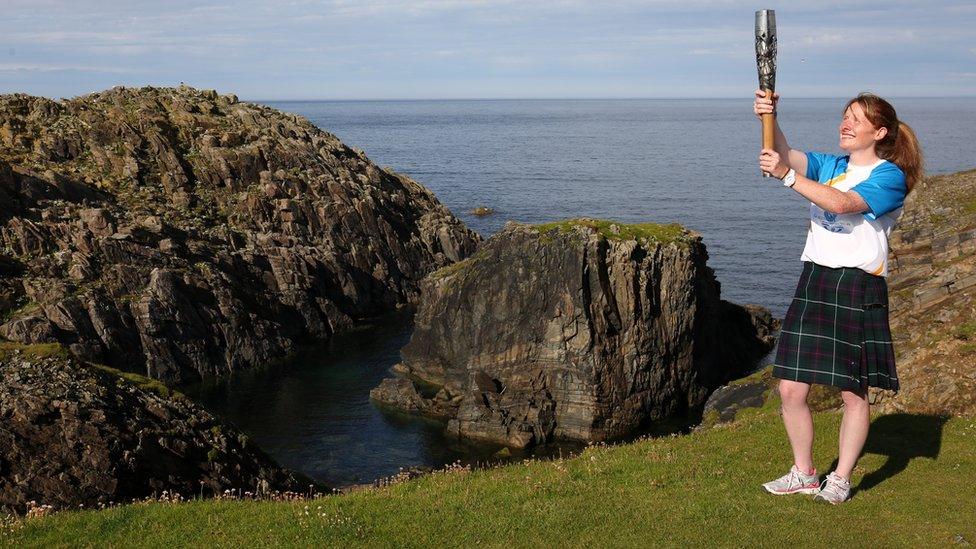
(835, 489)
(794, 482)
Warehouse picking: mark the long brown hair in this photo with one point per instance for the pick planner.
(899, 146)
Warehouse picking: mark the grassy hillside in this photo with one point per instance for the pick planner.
(914, 488)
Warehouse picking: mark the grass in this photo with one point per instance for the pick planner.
(46, 350)
(23, 310)
(969, 206)
(612, 230)
(912, 490)
(145, 383)
(34, 351)
(458, 266)
(966, 330)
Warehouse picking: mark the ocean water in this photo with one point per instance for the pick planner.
(688, 161)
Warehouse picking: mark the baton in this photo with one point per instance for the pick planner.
(766, 65)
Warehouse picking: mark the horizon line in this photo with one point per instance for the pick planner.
(475, 98)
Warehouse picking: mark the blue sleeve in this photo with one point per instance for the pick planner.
(883, 191)
(815, 162)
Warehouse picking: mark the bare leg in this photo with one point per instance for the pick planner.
(853, 431)
(798, 422)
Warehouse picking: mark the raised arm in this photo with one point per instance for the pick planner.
(794, 159)
(828, 198)
(779, 161)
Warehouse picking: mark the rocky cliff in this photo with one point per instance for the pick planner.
(75, 434)
(582, 330)
(933, 298)
(181, 233)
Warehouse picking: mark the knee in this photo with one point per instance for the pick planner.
(793, 393)
(855, 401)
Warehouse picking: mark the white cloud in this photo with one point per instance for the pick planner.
(833, 39)
(38, 67)
(601, 58)
(732, 53)
(571, 46)
(69, 37)
(362, 8)
(512, 60)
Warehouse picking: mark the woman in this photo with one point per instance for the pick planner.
(836, 330)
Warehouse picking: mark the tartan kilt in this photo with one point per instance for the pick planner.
(836, 331)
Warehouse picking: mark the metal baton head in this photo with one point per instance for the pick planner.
(766, 48)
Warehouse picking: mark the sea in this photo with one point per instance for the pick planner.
(693, 162)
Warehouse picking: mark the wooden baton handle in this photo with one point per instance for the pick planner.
(768, 129)
(769, 126)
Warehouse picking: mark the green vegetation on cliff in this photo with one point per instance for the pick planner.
(457, 267)
(702, 489)
(45, 350)
(612, 230)
(37, 350)
(146, 384)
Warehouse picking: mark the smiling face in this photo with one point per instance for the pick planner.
(857, 133)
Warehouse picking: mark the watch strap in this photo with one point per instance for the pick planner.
(790, 178)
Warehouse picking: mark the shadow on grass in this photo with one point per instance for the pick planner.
(902, 438)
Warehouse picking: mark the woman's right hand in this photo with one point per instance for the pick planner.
(763, 105)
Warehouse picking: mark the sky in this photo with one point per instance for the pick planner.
(446, 49)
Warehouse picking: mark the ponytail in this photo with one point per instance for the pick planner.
(900, 146)
(906, 153)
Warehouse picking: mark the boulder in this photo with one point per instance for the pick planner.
(583, 330)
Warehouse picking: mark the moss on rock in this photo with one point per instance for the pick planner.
(613, 230)
(36, 350)
(146, 384)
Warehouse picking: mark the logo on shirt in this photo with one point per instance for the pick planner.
(830, 221)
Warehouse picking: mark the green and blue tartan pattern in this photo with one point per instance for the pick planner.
(836, 331)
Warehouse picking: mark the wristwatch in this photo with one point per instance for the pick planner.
(790, 178)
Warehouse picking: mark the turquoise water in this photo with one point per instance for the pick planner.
(689, 161)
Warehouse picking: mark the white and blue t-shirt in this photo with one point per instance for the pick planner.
(858, 240)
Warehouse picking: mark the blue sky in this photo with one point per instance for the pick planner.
(379, 49)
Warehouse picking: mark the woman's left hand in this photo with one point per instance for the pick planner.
(770, 162)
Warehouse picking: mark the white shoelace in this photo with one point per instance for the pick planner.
(836, 487)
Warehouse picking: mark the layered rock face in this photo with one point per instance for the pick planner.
(581, 330)
(180, 233)
(74, 434)
(932, 289)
